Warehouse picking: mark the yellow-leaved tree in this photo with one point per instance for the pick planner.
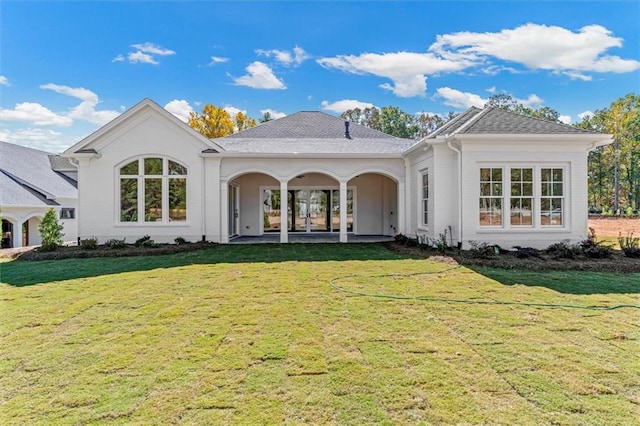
(243, 122)
(214, 122)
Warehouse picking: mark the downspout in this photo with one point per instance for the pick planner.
(459, 190)
(203, 200)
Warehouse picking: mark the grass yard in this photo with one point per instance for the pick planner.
(257, 335)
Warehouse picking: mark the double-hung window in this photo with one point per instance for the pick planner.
(153, 189)
(425, 198)
(552, 197)
(491, 196)
(534, 197)
(521, 199)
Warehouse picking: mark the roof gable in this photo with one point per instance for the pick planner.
(87, 145)
(499, 121)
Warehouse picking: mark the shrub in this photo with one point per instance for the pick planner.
(145, 241)
(563, 250)
(630, 245)
(89, 243)
(594, 249)
(483, 250)
(50, 231)
(526, 252)
(180, 241)
(115, 243)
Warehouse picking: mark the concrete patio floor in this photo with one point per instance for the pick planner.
(309, 238)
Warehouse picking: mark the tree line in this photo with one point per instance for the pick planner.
(613, 170)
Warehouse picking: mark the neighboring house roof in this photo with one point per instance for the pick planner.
(499, 121)
(27, 177)
(312, 132)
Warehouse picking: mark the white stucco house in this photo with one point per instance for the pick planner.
(488, 175)
(32, 182)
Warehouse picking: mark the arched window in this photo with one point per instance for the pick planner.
(153, 189)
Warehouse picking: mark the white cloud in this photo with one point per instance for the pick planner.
(566, 119)
(233, 111)
(273, 113)
(458, 99)
(144, 53)
(543, 47)
(34, 113)
(260, 76)
(217, 60)
(144, 58)
(532, 100)
(153, 49)
(180, 108)
(42, 139)
(285, 57)
(4, 81)
(407, 70)
(344, 105)
(584, 114)
(492, 90)
(86, 110)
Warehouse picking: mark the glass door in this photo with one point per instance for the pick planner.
(233, 211)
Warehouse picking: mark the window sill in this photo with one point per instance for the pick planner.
(150, 224)
(522, 230)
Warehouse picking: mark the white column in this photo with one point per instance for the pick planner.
(284, 231)
(211, 210)
(343, 211)
(17, 234)
(402, 205)
(224, 212)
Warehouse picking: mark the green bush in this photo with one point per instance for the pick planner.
(51, 231)
(115, 243)
(563, 250)
(89, 243)
(145, 241)
(630, 245)
(180, 241)
(594, 249)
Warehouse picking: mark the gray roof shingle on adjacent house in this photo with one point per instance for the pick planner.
(499, 121)
(312, 132)
(28, 179)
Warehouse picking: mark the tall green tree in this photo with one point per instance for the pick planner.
(614, 170)
(50, 231)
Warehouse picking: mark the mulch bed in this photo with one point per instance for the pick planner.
(508, 260)
(75, 252)
(505, 260)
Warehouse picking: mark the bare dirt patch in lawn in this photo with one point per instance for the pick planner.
(614, 226)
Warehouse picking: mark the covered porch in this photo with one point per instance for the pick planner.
(319, 206)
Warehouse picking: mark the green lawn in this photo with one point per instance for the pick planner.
(257, 335)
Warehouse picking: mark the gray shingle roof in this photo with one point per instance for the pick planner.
(454, 124)
(312, 132)
(27, 177)
(498, 121)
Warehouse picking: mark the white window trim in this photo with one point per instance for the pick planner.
(165, 176)
(537, 226)
(422, 225)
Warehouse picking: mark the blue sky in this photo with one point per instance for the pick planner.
(69, 67)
